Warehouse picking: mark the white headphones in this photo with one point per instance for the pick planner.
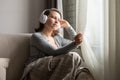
(43, 18)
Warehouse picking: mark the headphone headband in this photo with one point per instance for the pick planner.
(43, 18)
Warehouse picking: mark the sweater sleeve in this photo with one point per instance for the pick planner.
(71, 32)
(45, 47)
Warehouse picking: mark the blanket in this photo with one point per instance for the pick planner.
(61, 67)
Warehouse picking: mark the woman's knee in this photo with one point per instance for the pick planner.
(69, 58)
(75, 56)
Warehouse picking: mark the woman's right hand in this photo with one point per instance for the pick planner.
(78, 38)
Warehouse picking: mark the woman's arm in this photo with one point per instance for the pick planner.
(73, 35)
(44, 46)
(71, 32)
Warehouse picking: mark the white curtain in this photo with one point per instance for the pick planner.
(89, 21)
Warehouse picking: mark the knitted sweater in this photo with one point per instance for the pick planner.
(41, 47)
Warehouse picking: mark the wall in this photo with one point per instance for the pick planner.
(19, 16)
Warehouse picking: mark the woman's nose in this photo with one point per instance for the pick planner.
(56, 20)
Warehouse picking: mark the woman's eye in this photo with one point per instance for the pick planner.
(54, 17)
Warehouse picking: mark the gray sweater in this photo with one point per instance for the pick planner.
(41, 47)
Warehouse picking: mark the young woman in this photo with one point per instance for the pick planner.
(50, 54)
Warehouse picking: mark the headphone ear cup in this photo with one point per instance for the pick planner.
(43, 19)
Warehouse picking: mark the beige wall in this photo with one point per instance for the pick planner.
(19, 16)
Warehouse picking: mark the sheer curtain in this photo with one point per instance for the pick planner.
(89, 21)
(86, 16)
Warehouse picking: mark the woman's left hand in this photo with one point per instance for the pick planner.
(64, 23)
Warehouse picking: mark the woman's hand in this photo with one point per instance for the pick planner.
(78, 38)
(64, 23)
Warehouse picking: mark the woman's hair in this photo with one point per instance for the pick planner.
(41, 25)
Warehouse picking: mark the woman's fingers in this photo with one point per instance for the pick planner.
(64, 23)
(78, 38)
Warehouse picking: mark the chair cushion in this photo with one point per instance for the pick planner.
(3, 66)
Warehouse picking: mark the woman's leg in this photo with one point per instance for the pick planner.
(40, 71)
(64, 67)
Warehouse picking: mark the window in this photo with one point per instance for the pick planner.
(86, 16)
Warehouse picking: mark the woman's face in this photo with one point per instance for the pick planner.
(53, 21)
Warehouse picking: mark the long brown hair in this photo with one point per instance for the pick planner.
(41, 25)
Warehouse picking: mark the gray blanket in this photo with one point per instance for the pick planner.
(56, 68)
